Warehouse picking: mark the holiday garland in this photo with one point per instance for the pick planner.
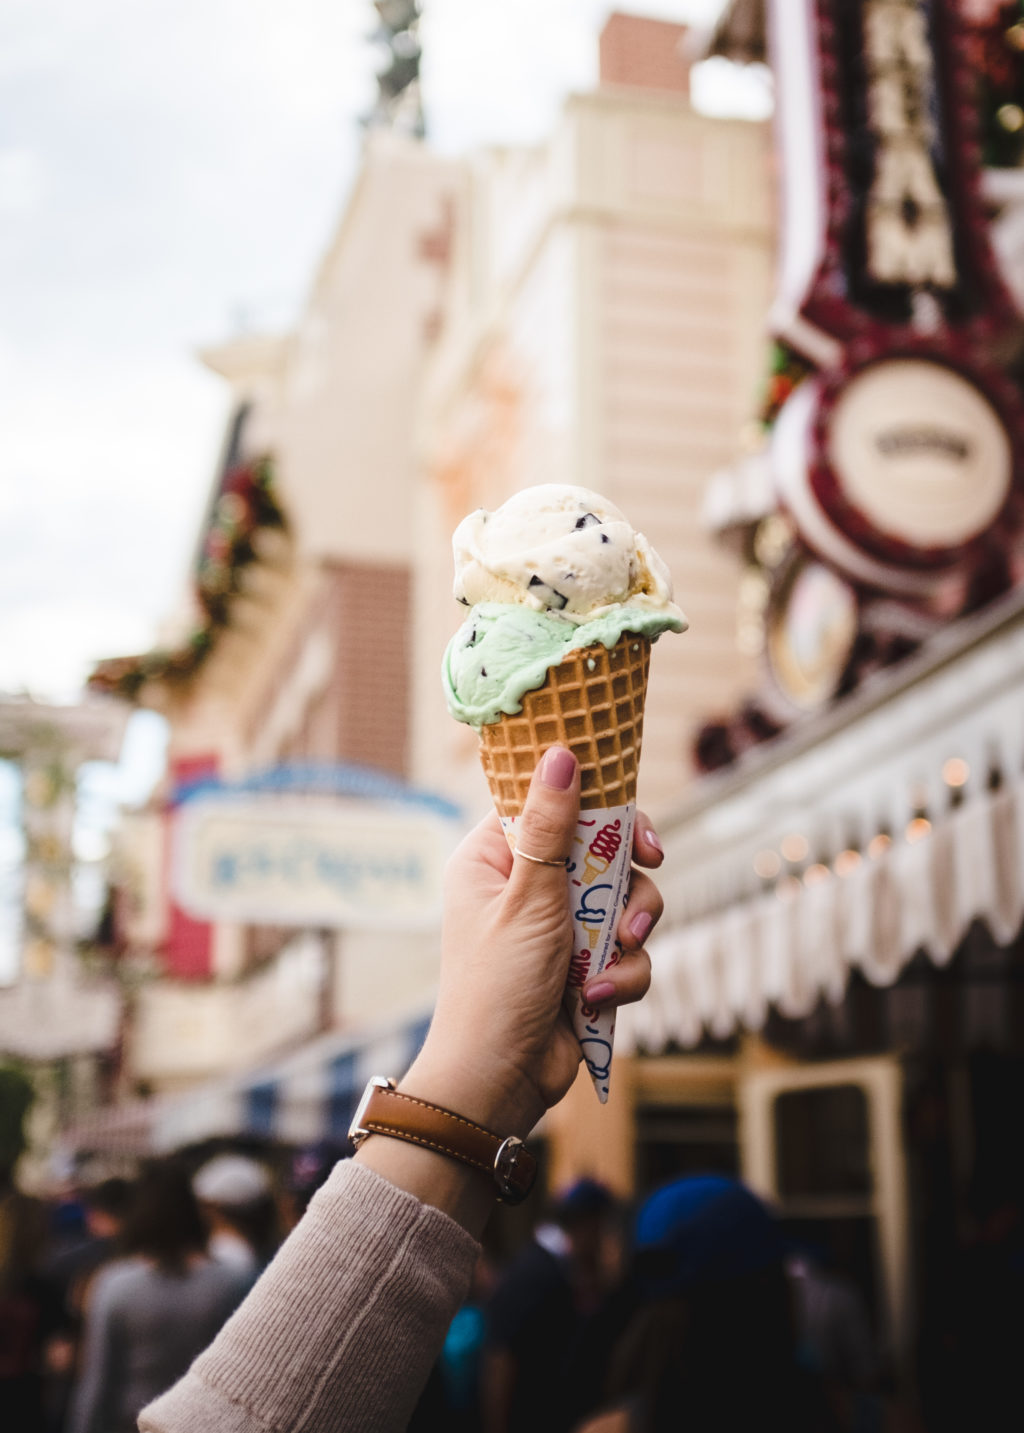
(246, 507)
(786, 369)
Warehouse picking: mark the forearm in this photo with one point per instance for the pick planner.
(454, 1188)
(341, 1330)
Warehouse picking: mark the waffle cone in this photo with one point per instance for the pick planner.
(593, 703)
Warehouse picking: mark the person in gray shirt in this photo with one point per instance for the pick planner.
(147, 1316)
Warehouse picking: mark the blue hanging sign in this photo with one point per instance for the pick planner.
(310, 845)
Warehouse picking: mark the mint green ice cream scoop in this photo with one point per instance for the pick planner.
(503, 650)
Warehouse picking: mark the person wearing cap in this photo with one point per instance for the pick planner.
(341, 1331)
(236, 1199)
(712, 1346)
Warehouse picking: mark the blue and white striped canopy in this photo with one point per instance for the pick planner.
(306, 1096)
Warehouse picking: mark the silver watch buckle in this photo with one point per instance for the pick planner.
(505, 1162)
(356, 1132)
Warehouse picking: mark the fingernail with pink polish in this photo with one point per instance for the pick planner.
(558, 768)
(600, 990)
(652, 840)
(639, 926)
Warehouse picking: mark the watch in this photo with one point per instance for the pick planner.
(384, 1109)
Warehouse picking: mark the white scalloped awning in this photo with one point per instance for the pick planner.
(796, 946)
(912, 757)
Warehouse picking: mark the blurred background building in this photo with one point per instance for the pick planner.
(792, 355)
(63, 1012)
(590, 309)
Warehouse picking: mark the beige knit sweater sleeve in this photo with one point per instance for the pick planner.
(341, 1330)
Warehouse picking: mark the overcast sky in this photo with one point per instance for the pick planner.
(170, 173)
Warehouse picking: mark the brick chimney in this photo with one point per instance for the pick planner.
(644, 54)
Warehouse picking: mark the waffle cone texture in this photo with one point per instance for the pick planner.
(593, 703)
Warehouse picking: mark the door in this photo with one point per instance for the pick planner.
(823, 1144)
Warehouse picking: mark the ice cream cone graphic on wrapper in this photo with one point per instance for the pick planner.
(566, 600)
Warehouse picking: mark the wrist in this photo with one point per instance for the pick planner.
(497, 1097)
(439, 1153)
(455, 1189)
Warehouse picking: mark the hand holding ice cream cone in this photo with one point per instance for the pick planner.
(509, 953)
(501, 1048)
(566, 599)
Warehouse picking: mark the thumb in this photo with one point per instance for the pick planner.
(546, 828)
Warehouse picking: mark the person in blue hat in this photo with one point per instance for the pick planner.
(712, 1344)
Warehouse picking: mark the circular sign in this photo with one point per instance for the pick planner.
(920, 453)
(810, 633)
(793, 467)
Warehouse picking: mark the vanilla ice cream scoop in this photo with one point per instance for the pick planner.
(559, 548)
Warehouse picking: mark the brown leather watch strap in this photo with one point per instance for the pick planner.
(390, 1111)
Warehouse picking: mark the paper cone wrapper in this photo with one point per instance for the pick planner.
(598, 886)
(593, 703)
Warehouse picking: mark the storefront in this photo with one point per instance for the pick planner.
(836, 1011)
(842, 938)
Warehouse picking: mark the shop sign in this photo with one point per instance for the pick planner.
(921, 452)
(909, 233)
(881, 186)
(899, 455)
(313, 861)
(810, 633)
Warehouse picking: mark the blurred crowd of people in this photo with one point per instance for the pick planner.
(691, 1310)
(611, 1318)
(110, 1289)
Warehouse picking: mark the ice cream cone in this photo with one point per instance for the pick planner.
(564, 599)
(593, 703)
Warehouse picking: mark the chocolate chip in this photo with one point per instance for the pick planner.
(587, 520)
(556, 600)
(605, 537)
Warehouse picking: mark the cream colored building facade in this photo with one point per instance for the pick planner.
(589, 311)
(313, 664)
(604, 328)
